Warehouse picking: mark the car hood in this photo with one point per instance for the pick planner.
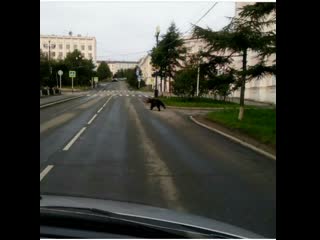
(146, 212)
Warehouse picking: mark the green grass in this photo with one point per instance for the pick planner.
(196, 102)
(256, 123)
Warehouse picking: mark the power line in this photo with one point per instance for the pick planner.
(205, 14)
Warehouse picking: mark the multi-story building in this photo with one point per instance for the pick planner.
(60, 46)
(147, 70)
(117, 65)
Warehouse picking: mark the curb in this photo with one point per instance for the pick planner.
(216, 108)
(195, 108)
(236, 139)
(59, 101)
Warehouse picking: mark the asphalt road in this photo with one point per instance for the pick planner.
(127, 152)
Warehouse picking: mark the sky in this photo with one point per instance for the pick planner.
(125, 31)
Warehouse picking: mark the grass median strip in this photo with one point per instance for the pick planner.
(259, 124)
(196, 102)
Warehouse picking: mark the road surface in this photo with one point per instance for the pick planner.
(109, 145)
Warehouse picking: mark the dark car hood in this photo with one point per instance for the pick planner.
(147, 212)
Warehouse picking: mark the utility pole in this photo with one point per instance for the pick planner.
(156, 91)
(198, 77)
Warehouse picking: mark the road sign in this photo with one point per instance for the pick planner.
(72, 74)
(60, 73)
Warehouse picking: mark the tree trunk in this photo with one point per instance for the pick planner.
(243, 84)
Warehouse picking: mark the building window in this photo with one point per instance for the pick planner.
(90, 55)
(90, 47)
(53, 54)
(60, 46)
(75, 47)
(82, 47)
(68, 46)
(60, 54)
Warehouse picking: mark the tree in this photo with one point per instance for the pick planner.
(185, 82)
(242, 35)
(168, 54)
(84, 68)
(44, 69)
(103, 71)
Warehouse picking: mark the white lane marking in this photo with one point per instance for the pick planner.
(66, 148)
(94, 116)
(100, 109)
(45, 171)
(127, 95)
(88, 95)
(120, 95)
(132, 95)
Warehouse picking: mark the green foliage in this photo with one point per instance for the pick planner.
(166, 57)
(185, 83)
(103, 71)
(74, 61)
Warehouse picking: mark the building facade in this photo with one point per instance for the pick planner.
(60, 46)
(117, 65)
(263, 89)
(147, 71)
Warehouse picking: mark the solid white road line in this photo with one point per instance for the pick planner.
(92, 119)
(100, 109)
(45, 171)
(66, 148)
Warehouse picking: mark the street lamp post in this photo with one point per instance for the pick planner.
(156, 82)
(49, 56)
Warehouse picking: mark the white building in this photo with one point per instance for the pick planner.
(147, 70)
(60, 46)
(117, 65)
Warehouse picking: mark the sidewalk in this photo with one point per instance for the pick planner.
(63, 96)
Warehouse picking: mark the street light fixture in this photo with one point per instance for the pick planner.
(156, 83)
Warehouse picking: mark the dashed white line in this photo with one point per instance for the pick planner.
(100, 109)
(127, 95)
(66, 148)
(45, 171)
(120, 95)
(94, 116)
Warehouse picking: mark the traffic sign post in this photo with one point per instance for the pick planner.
(60, 72)
(72, 74)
